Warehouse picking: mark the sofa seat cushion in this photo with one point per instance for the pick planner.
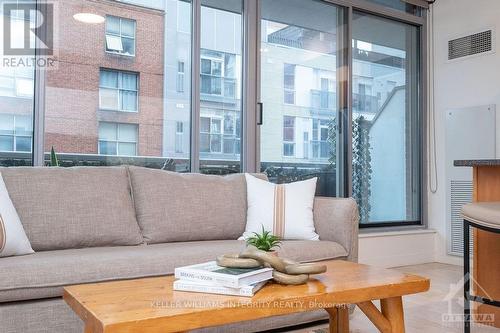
(43, 274)
(65, 208)
(177, 207)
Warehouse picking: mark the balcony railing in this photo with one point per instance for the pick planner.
(327, 100)
(218, 86)
(365, 103)
(322, 99)
(316, 150)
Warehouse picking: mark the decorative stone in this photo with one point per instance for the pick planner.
(234, 261)
(305, 269)
(264, 257)
(286, 271)
(289, 278)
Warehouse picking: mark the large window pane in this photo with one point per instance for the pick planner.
(220, 85)
(386, 122)
(114, 96)
(299, 91)
(16, 97)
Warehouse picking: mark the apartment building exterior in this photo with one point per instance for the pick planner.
(106, 94)
(125, 88)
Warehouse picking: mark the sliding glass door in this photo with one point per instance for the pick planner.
(385, 120)
(316, 101)
(16, 92)
(299, 80)
(221, 86)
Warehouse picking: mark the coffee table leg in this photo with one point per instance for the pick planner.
(339, 319)
(392, 309)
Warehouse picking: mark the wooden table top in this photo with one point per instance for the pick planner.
(150, 304)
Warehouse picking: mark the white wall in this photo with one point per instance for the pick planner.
(462, 83)
(388, 144)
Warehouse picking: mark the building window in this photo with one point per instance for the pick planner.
(16, 133)
(117, 139)
(179, 134)
(320, 145)
(231, 137)
(288, 136)
(211, 76)
(118, 91)
(180, 76)
(211, 135)
(16, 82)
(120, 35)
(289, 84)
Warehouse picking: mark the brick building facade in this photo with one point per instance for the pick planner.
(73, 113)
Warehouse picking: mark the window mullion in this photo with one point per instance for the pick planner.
(195, 85)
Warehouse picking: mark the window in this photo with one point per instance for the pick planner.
(211, 76)
(386, 134)
(304, 72)
(320, 146)
(211, 135)
(180, 76)
(221, 72)
(16, 133)
(16, 82)
(179, 134)
(117, 139)
(118, 91)
(120, 35)
(288, 136)
(289, 84)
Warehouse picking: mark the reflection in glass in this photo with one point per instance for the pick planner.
(385, 133)
(16, 99)
(220, 86)
(298, 90)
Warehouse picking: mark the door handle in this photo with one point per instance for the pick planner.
(260, 107)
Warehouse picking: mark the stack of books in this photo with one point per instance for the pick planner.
(213, 279)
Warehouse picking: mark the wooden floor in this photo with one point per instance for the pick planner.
(426, 312)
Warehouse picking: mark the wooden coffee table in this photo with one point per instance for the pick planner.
(150, 305)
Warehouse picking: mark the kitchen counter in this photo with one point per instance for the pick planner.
(486, 262)
(473, 163)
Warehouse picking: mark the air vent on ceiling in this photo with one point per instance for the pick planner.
(470, 45)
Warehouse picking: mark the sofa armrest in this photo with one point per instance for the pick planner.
(337, 219)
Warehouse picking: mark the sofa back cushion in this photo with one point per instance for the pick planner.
(174, 207)
(63, 208)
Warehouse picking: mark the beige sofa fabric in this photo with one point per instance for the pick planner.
(63, 208)
(43, 274)
(337, 220)
(173, 207)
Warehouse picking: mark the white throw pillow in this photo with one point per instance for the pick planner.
(13, 240)
(284, 209)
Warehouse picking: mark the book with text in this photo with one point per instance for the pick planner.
(211, 273)
(199, 287)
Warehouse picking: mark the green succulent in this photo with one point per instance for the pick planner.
(265, 241)
(54, 161)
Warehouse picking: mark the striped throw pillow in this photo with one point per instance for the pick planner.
(284, 209)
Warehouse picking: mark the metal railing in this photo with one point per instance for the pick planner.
(218, 86)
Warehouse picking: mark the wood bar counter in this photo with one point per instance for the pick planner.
(486, 255)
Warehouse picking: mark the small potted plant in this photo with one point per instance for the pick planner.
(265, 241)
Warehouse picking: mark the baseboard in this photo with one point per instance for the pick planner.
(399, 248)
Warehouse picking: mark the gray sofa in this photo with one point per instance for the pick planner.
(102, 224)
